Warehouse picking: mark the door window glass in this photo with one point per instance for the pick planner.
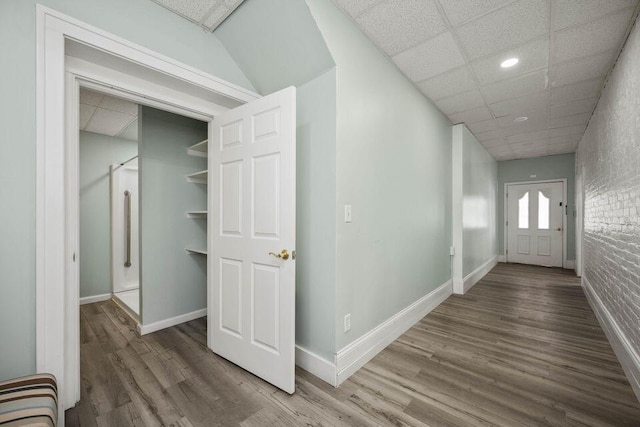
(523, 211)
(543, 211)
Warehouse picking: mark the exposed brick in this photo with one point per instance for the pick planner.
(609, 157)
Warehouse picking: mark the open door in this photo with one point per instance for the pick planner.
(252, 223)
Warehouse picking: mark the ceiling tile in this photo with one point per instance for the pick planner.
(86, 111)
(108, 122)
(523, 85)
(447, 84)
(521, 105)
(396, 25)
(356, 7)
(484, 126)
(532, 136)
(584, 68)
(495, 143)
(510, 26)
(216, 17)
(565, 139)
(575, 92)
(120, 105)
(460, 11)
(572, 12)
(517, 128)
(431, 58)
(577, 107)
(471, 116)
(490, 135)
(461, 102)
(597, 36)
(578, 119)
(90, 98)
(195, 10)
(532, 56)
(571, 130)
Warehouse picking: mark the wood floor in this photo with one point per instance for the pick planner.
(522, 348)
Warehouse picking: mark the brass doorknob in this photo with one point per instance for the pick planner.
(282, 255)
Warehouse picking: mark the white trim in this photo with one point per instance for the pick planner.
(457, 196)
(627, 355)
(564, 215)
(477, 274)
(57, 302)
(570, 264)
(358, 353)
(172, 321)
(316, 365)
(95, 298)
(502, 258)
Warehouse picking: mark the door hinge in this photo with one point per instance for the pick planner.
(74, 257)
(507, 252)
(507, 223)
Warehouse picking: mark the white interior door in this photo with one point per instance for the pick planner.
(252, 182)
(535, 223)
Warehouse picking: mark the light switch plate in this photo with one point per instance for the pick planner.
(347, 213)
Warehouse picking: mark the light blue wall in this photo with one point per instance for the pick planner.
(173, 282)
(276, 43)
(140, 21)
(393, 162)
(479, 194)
(537, 169)
(315, 219)
(97, 153)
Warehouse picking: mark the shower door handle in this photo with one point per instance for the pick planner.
(127, 220)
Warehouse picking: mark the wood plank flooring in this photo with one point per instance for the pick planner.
(522, 348)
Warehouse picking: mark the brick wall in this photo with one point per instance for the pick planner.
(609, 160)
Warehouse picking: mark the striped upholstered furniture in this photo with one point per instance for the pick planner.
(29, 401)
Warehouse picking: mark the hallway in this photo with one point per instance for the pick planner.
(522, 347)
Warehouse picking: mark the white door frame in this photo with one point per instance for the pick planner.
(564, 215)
(57, 302)
(579, 200)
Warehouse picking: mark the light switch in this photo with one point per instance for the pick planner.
(347, 213)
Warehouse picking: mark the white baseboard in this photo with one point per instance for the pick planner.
(358, 353)
(570, 264)
(627, 355)
(94, 298)
(502, 258)
(167, 323)
(316, 365)
(477, 274)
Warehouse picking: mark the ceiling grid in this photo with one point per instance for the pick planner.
(565, 50)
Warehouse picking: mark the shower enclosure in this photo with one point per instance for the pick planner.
(125, 264)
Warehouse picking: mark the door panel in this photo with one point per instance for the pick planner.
(252, 219)
(535, 223)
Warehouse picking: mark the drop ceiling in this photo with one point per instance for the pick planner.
(107, 115)
(452, 51)
(207, 14)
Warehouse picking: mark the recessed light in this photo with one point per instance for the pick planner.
(521, 119)
(508, 63)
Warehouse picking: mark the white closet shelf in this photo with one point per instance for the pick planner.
(198, 177)
(196, 251)
(197, 214)
(200, 149)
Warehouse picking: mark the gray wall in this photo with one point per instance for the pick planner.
(393, 163)
(144, 23)
(478, 203)
(315, 219)
(550, 167)
(97, 153)
(173, 282)
(276, 43)
(609, 159)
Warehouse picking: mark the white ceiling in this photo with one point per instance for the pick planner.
(107, 115)
(452, 50)
(207, 14)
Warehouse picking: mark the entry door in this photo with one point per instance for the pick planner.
(252, 183)
(535, 223)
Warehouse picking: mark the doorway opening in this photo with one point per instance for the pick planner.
(536, 223)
